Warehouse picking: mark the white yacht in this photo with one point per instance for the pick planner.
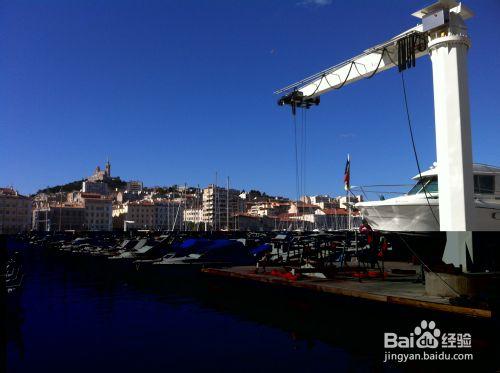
(418, 210)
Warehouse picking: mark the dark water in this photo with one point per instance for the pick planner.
(84, 316)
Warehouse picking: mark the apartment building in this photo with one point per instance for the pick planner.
(268, 208)
(59, 217)
(15, 212)
(169, 215)
(98, 211)
(352, 199)
(148, 214)
(97, 187)
(134, 186)
(193, 215)
(220, 205)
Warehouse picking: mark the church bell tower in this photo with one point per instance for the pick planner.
(107, 171)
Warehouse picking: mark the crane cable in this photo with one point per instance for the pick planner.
(415, 153)
(300, 151)
(418, 257)
(297, 191)
(415, 147)
(384, 51)
(303, 166)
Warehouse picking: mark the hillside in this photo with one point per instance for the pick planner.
(113, 183)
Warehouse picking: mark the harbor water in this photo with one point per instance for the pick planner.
(77, 315)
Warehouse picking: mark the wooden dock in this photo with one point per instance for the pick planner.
(391, 292)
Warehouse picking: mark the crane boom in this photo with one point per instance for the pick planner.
(400, 51)
(376, 59)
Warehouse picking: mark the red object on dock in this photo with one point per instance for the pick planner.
(285, 275)
(376, 274)
(360, 274)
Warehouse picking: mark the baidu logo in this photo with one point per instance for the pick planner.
(427, 336)
(427, 342)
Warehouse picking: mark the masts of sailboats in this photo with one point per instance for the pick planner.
(184, 200)
(168, 214)
(60, 209)
(176, 216)
(348, 210)
(215, 202)
(227, 205)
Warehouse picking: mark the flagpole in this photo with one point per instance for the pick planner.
(347, 188)
(348, 209)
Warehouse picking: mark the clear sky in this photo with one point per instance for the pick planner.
(173, 91)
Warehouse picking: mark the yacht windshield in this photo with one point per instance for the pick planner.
(430, 185)
(416, 188)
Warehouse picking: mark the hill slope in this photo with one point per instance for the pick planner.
(113, 183)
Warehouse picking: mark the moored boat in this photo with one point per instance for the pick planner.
(418, 210)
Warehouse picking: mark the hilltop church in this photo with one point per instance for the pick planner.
(100, 175)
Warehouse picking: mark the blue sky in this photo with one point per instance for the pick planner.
(173, 91)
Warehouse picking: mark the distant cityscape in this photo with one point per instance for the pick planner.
(102, 202)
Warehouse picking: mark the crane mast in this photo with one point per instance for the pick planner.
(442, 35)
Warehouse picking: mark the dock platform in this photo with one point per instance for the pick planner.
(403, 293)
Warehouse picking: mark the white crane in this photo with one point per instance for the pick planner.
(442, 35)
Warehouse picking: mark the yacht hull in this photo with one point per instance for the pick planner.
(420, 218)
(401, 218)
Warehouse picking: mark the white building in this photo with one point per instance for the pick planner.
(193, 215)
(134, 186)
(322, 201)
(325, 219)
(352, 200)
(98, 212)
(148, 214)
(95, 187)
(269, 209)
(220, 205)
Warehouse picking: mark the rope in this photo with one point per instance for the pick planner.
(418, 257)
(423, 187)
(415, 148)
(427, 267)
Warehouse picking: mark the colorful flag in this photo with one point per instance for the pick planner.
(347, 174)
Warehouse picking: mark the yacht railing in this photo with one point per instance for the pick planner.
(381, 191)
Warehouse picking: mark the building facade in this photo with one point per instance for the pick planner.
(147, 214)
(98, 212)
(98, 187)
(220, 205)
(247, 222)
(59, 218)
(15, 212)
(193, 215)
(169, 215)
(268, 208)
(134, 186)
(352, 200)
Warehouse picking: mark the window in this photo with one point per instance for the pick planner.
(417, 187)
(430, 185)
(484, 184)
